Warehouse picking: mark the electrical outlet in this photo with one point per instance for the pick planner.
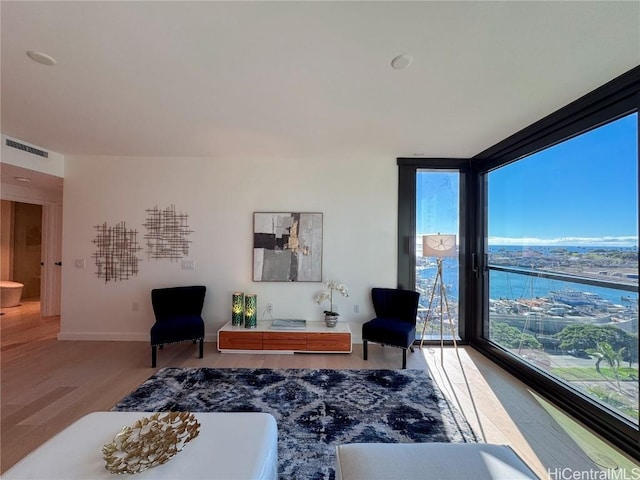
(270, 308)
(135, 306)
(356, 308)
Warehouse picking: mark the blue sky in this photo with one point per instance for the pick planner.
(580, 192)
(437, 202)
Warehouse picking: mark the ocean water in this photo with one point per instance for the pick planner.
(511, 286)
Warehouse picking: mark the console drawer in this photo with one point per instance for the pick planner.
(284, 341)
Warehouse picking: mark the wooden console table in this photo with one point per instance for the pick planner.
(317, 337)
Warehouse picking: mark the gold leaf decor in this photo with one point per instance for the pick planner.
(150, 441)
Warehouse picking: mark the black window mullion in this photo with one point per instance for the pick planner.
(406, 270)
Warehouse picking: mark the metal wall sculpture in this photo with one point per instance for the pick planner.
(287, 247)
(167, 233)
(115, 257)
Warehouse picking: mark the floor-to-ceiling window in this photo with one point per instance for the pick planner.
(547, 254)
(432, 240)
(437, 258)
(563, 262)
(557, 243)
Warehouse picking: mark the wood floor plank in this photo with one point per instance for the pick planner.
(22, 414)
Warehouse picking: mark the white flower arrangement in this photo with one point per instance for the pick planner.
(324, 296)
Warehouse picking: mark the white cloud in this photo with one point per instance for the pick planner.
(623, 241)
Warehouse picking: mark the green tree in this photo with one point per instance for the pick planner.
(631, 349)
(511, 337)
(583, 336)
(613, 357)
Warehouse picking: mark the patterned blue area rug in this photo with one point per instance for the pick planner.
(315, 409)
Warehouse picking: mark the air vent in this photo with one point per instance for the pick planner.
(27, 148)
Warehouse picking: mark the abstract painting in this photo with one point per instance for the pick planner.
(287, 247)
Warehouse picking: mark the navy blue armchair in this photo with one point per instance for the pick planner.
(395, 322)
(178, 312)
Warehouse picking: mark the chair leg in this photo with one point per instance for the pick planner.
(201, 347)
(153, 356)
(404, 358)
(364, 349)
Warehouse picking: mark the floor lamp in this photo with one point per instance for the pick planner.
(439, 246)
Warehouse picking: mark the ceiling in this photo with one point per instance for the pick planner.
(301, 79)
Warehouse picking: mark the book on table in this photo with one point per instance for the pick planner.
(288, 324)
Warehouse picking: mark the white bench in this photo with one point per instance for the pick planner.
(437, 461)
(230, 446)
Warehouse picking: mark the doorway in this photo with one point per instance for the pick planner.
(27, 248)
(36, 262)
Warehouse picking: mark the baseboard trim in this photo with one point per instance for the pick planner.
(115, 337)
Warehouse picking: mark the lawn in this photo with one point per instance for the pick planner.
(586, 374)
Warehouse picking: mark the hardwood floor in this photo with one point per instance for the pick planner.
(47, 384)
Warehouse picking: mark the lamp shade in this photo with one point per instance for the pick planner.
(237, 308)
(251, 310)
(439, 246)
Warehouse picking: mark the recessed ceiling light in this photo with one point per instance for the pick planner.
(402, 61)
(22, 179)
(42, 58)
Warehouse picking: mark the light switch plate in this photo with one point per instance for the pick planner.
(188, 264)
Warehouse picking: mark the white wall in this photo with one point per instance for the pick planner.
(358, 197)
